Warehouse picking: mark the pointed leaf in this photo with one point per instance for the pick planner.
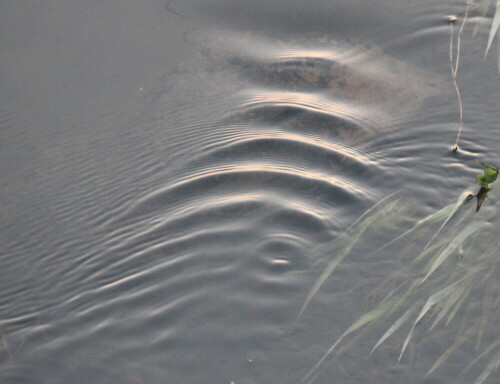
(457, 306)
(498, 55)
(493, 365)
(362, 321)
(442, 213)
(397, 324)
(490, 348)
(352, 241)
(482, 10)
(454, 297)
(368, 211)
(454, 244)
(431, 301)
(461, 340)
(460, 201)
(494, 27)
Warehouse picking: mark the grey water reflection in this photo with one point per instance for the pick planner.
(168, 168)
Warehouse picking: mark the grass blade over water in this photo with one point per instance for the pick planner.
(440, 281)
(342, 246)
(494, 27)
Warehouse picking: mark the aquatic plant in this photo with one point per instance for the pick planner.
(450, 277)
(452, 282)
(454, 59)
(489, 176)
(4, 345)
(494, 27)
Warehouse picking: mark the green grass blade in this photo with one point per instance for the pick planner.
(452, 300)
(494, 27)
(440, 245)
(452, 246)
(407, 340)
(461, 340)
(392, 292)
(463, 196)
(457, 306)
(437, 216)
(477, 161)
(397, 324)
(328, 248)
(330, 268)
(492, 347)
(492, 365)
(482, 10)
(498, 55)
(486, 312)
(352, 241)
(362, 321)
(431, 301)
(371, 209)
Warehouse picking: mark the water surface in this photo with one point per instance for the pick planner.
(167, 170)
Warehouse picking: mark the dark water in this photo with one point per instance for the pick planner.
(167, 169)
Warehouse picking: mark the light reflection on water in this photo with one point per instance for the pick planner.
(362, 118)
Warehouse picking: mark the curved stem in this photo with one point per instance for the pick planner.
(454, 70)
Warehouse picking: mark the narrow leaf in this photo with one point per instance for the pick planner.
(330, 268)
(371, 209)
(482, 11)
(431, 301)
(332, 265)
(457, 306)
(494, 27)
(498, 55)
(461, 340)
(483, 354)
(490, 367)
(397, 324)
(463, 196)
(454, 244)
(452, 300)
(442, 213)
(363, 320)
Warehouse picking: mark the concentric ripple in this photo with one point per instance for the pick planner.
(314, 103)
(175, 232)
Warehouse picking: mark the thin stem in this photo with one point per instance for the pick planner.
(454, 68)
(457, 90)
(459, 36)
(451, 50)
(474, 6)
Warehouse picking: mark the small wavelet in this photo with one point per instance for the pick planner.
(300, 53)
(356, 73)
(359, 117)
(245, 175)
(333, 54)
(242, 135)
(131, 248)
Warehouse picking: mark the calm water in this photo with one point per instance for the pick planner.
(167, 169)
